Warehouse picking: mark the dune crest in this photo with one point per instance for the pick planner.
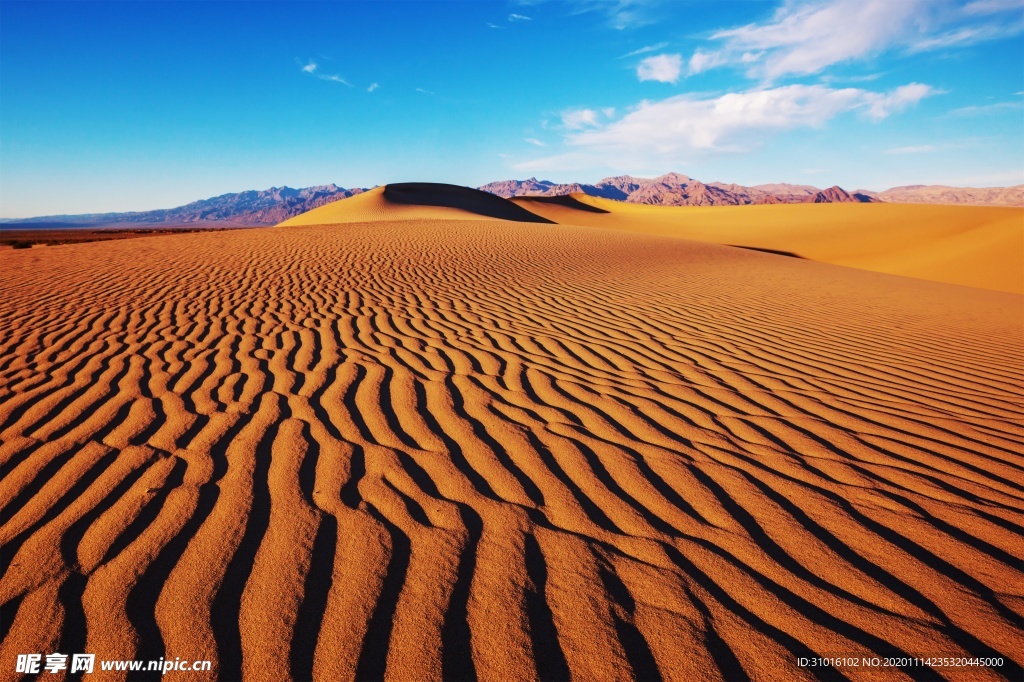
(416, 201)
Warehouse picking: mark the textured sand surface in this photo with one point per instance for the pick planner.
(974, 246)
(441, 448)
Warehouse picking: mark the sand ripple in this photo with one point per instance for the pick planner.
(475, 449)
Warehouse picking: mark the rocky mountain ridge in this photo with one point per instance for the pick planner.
(943, 194)
(676, 189)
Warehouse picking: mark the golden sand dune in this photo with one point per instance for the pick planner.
(462, 449)
(416, 201)
(970, 245)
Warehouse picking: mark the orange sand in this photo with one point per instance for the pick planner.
(976, 246)
(428, 447)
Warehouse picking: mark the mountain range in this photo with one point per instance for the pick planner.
(676, 189)
(271, 206)
(253, 207)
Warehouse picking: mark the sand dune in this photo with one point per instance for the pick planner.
(416, 201)
(970, 245)
(433, 447)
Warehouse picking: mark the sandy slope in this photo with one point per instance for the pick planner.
(416, 201)
(970, 245)
(370, 206)
(465, 448)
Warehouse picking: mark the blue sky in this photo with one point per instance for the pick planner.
(142, 105)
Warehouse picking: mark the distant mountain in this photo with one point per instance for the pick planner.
(941, 194)
(676, 189)
(266, 207)
(530, 187)
(783, 189)
(837, 195)
(274, 205)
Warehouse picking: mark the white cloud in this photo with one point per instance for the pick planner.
(805, 37)
(576, 119)
(664, 68)
(702, 61)
(311, 68)
(685, 124)
(881, 105)
(373, 86)
(624, 14)
(645, 50)
(916, 149)
(534, 141)
(969, 35)
(984, 109)
(518, 17)
(334, 79)
(992, 6)
(425, 92)
(863, 78)
(608, 111)
(493, 25)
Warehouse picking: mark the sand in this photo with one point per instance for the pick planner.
(977, 246)
(434, 447)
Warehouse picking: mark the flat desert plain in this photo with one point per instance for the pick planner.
(423, 435)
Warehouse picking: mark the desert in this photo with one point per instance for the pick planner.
(398, 438)
(512, 341)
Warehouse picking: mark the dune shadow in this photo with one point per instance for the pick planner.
(310, 616)
(568, 202)
(776, 252)
(464, 198)
(547, 650)
(373, 657)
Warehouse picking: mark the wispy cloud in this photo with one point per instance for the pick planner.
(675, 128)
(623, 14)
(577, 119)
(645, 50)
(534, 141)
(373, 86)
(805, 37)
(913, 149)
(425, 92)
(992, 6)
(313, 69)
(491, 24)
(878, 106)
(863, 78)
(968, 35)
(518, 17)
(984, 109)
(334, 78)
(664, 68)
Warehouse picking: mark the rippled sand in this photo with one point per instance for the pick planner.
(474, 448)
